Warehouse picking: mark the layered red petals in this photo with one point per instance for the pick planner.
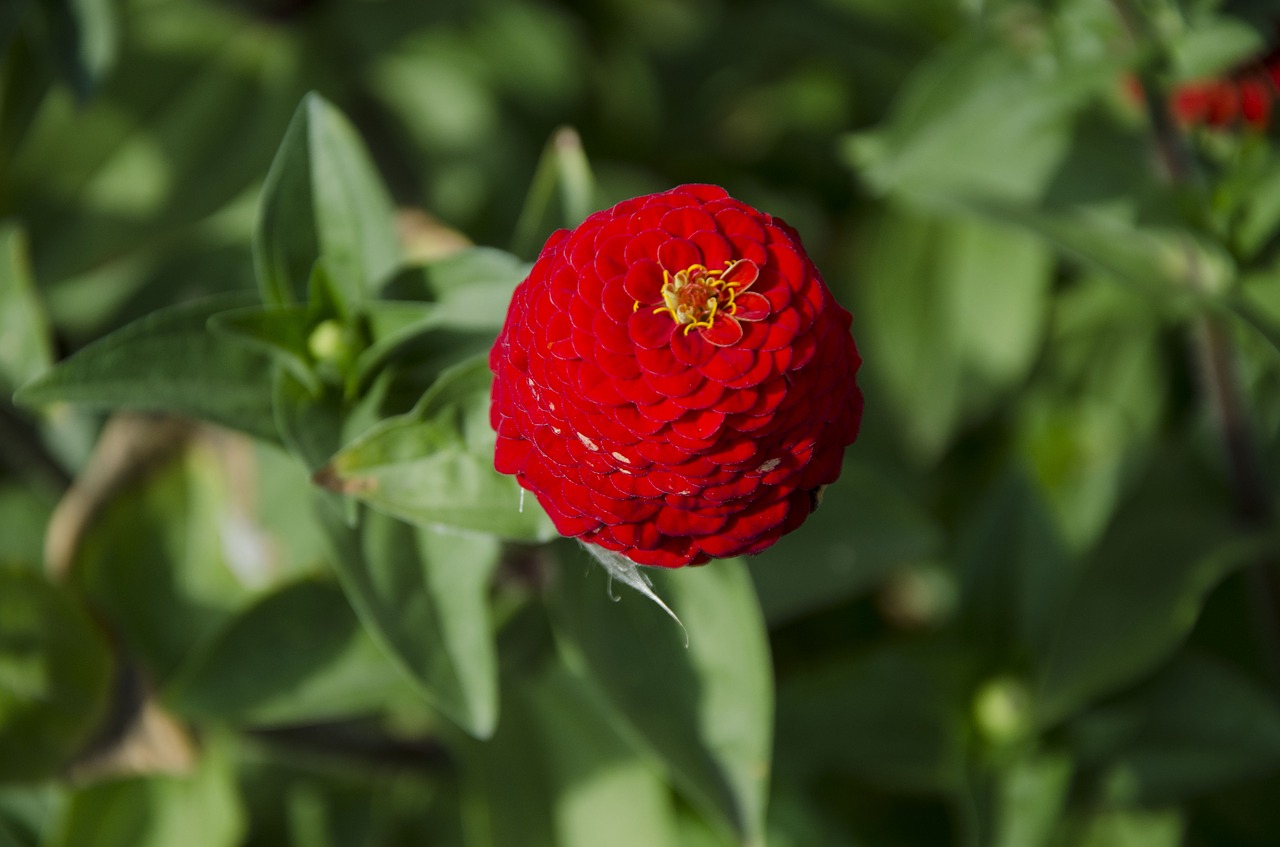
(674, 378)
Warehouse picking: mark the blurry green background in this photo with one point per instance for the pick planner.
(1041, 607)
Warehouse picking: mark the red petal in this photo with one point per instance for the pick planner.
(617, 365)
(735, 222)
(660, 361)
(725, 331)
(707, 395)
(691, 349)
(511, 455)
(699, 423)
(643, 282)
(610, 334)
(682, 522)
(751, 306)
(758, 373)
(716, 249)
(610, 261)
(617, 302)
(748, 248)
(788, 263)
(644, 245)
(701, 191)
(686, 221)
(729, 364)
(650, 330)
(597, 386)
(782, 329)
(742, 273)
(677, 254)
(685, 381)
(638, 391)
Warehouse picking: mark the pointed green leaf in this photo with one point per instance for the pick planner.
(168, 361)
(1198, 726)
(280, 332)
(1140, 593)
(705, 711)
(471, 288)
(603, 791)
(25, 348)
(273, 664)
(55, 673)
(423, 595)
(952, 315)
(323, 199)
(434, 465)
(562, 195)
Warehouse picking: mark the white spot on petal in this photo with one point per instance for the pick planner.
(587, 442)
(766, 467)
(621, 458)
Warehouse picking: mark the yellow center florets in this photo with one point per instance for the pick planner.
(696, 294)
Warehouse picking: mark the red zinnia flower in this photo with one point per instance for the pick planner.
(674, 380)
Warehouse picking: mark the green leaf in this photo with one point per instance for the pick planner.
(1013, 570)
(423, 595)
(28, 812)
(84, 40)
(152, 560)
(983, 117)
(603, 791)
(1197, 727)
(1128, 828)
(198, 810)
(168, 361)
(864, 529)
(434, 465)
(890, 718)
(562, 195)
(1032, 795)
(24, 514)
(704, 711)
(952, 314)
(506, 797)
(472, 288)
(25, 347)
(323, 198)
(55, 674)
(279, 332)
(1140, 593)
(272, 664)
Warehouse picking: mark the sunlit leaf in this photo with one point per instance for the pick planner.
(323, 199)
(706, 710)
(25, 348)
(434, 465)
(423, 595)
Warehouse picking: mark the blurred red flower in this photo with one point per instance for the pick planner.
(674, 380)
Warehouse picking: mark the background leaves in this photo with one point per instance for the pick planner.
(1038, 608)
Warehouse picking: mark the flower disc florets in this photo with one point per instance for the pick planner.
(674, 381)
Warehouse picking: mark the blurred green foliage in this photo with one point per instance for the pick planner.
(1041, 608)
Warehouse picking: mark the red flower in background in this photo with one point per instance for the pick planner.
(1246, 94)
(674, 381)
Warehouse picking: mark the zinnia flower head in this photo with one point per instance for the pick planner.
(674, 381)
